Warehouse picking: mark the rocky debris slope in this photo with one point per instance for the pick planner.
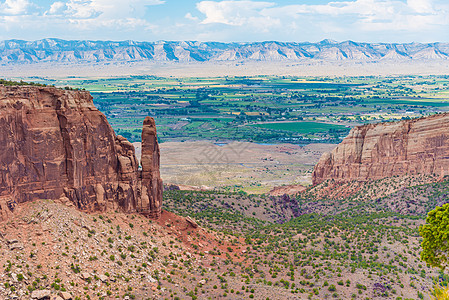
(56, 145)
(376, 151)
(76, 255)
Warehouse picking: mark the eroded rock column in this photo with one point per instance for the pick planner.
(151, 191)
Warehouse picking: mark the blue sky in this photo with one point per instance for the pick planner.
(233, 20)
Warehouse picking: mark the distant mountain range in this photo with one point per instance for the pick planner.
(84, 51)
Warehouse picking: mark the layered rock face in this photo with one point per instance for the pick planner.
(151, 198)
(375, 151)
(54, 144)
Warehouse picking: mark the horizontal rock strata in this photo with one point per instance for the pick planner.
(54, 144)
(375, 151)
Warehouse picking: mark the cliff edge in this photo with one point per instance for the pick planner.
(55, 144)
(376, 151)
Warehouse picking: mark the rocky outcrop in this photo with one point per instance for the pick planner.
(287, 190)
(56, 145)
(151, 199)
(375, 151)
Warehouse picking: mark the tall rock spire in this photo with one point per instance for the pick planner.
(151, 191)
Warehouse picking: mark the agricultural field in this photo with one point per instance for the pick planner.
(305, 128)
(262, 109)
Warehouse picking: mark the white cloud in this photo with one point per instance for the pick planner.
(228, 20)
(189, 16)
(91, 14)
(14, 7)
(235, 13)
(370, 15)
(421, 6)
(372, 10)
(83, 9)
(77, 19)
(57, 8)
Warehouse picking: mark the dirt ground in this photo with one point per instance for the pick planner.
(48, 246)
(254, 167)
(168, 69)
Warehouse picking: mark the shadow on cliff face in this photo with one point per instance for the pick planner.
(57, 145)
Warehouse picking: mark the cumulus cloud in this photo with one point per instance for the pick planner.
(421, 6)
(99, 19)
(103, 13)
(189, 16)
(14, 7)
(57, 8)
(239, 13)
(369, 15)
(229, 20)
(232, 12)
(83, 9)
(109, 9)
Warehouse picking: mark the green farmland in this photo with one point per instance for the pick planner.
(267, 109)
(304, 127)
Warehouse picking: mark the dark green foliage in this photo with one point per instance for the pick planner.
(14, 83)
(435, 235)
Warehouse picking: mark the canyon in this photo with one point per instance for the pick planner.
(57, 145)
(92, 238)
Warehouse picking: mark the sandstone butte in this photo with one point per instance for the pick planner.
(55, 144)
(376, 151)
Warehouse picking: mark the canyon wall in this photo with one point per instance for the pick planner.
(54, 144)
(375, 151)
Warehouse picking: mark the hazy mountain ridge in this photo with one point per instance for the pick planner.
(85, 51)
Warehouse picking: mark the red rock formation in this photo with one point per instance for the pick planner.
(287, 190)
(375, 151)
(54, 144)
(151, 192)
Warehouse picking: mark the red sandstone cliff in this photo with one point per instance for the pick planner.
(151, 196)
(375, 151)
(54, 144)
